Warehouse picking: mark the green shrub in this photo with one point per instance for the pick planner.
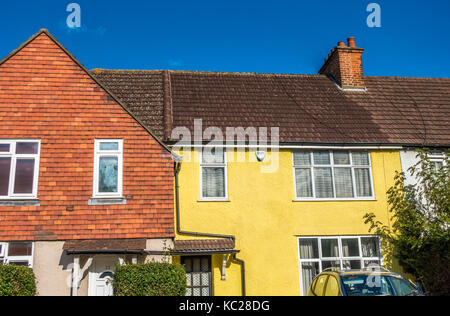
(17, 281)
(419, 236)
(150, 279)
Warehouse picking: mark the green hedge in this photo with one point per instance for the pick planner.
(17, 281)
(150, 279)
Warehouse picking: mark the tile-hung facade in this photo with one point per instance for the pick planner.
(243, 230)
(83, 183)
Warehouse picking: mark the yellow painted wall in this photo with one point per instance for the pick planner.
(266, 221)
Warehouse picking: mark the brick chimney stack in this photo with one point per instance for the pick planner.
(344, 65)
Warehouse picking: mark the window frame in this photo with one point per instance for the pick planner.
(332, 165)
(340, 256)
(223, 165)
(110, 154)
(3, 249)
(12, 259)
(435, 157)
(12, 154)
(210, 285)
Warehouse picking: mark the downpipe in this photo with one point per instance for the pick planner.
(177, 168)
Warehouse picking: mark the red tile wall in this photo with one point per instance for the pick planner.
(44, 94)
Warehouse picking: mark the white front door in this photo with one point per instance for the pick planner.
(101, 277)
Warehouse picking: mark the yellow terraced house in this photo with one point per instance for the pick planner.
(295, 163)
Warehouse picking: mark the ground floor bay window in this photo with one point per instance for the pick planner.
(344, 252)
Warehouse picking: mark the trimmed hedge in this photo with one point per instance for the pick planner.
(17, 281)
(150, 279)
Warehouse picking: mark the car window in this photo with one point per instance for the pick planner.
(366, 285)
(320, 285)
(332, 287)
(403, 287)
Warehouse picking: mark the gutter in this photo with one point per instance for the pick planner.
(177, 167)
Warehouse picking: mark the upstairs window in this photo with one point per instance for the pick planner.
(332, 175)
(19, 169)
(108, 168)
(213, 174)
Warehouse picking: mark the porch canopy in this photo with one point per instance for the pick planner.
(105, 246)
(203, 247)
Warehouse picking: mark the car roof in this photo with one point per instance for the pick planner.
(378, 271)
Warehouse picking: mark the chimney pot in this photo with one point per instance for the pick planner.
(351, 42)
(341, 44)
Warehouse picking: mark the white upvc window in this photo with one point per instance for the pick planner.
(332, 175)
(108, 168)
(19, 168)
(343, 252)
(213, 174)
(17, 253)
(2, 252)
(438, 159)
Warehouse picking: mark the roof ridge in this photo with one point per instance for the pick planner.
(406, 77)
(204, 72)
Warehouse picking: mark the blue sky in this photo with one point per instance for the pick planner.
(275, 36)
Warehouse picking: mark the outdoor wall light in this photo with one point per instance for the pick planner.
(260, 155)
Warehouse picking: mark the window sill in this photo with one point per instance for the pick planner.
(335, 200)
(20, 202)
(214, 200)
(107, 201)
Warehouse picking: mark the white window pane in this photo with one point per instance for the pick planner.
(108, 175)
(213, 155)
(205, 279)
(189, 291)
(303, 182)
(343, 182)
(5, 170)
(213, 182)
(302, 158)
(372, 263)
(309, 248)
(330, 248)
(360, 158)
(323, 182)
(362, 182)
(330, 264)
(196, 279)
(350, 247)
(205, 291)
(321, 157)
(23, 182)
(109, 146)
(205, 265)
(196, 266)
(351, 264)
(437, 165)
(27, 148)
(341, 157)
(20, 249)
(370, 247)
(309, 271)
(196, 291)
(188, 279)
(4, 148)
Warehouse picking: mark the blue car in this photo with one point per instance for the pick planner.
(366, 282)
